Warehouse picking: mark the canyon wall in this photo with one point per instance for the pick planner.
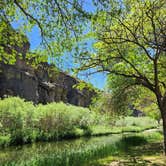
(43, 84)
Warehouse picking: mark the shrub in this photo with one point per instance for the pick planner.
(17, 120)
(60, 120)
(4, 141)
(23, 122)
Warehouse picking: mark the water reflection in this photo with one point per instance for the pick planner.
(19, 155)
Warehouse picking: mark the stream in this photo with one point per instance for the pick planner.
(73, 152)
(57, 153)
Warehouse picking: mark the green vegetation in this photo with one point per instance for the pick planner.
(21, 122)
(81, 152)
(128, 42)
(126, 39)
(58, 31)
(130, 48)
(126, 124)
(139, 150)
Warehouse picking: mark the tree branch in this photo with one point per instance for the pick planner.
(30, 16)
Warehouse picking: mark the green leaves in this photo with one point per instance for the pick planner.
(59, 22)
(24, 122)
(129, 47)
(12, 43)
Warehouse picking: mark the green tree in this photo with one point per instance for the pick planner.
(59, 23)
(131, 47)
(146, 102)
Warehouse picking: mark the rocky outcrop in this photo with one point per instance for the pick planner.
(42, 85)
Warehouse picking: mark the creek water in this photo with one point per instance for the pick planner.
(73, 152)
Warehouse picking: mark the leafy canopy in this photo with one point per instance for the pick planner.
(59, 23)
(130, 46)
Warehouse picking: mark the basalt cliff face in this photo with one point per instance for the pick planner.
(41, 85)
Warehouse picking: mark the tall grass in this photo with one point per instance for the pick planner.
(125, 124)
(22, 122)
(83, 152)
(137, 122)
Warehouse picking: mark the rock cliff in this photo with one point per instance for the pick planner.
(41, 85)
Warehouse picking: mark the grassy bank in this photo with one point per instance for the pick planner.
(143, 150)
(126, 124)
(21, 122)
(85, 152)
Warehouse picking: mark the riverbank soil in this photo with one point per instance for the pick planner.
(150, 154)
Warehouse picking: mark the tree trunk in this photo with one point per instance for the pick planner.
(164, 133)
(163, 113)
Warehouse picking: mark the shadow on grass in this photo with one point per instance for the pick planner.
(134, 150)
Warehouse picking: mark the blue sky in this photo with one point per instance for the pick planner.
(98, 80)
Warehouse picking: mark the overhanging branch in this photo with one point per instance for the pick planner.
(29, 16)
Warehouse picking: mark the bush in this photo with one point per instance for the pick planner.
(23, 122)
(61, 120)
(17, 120)
(4, 141)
